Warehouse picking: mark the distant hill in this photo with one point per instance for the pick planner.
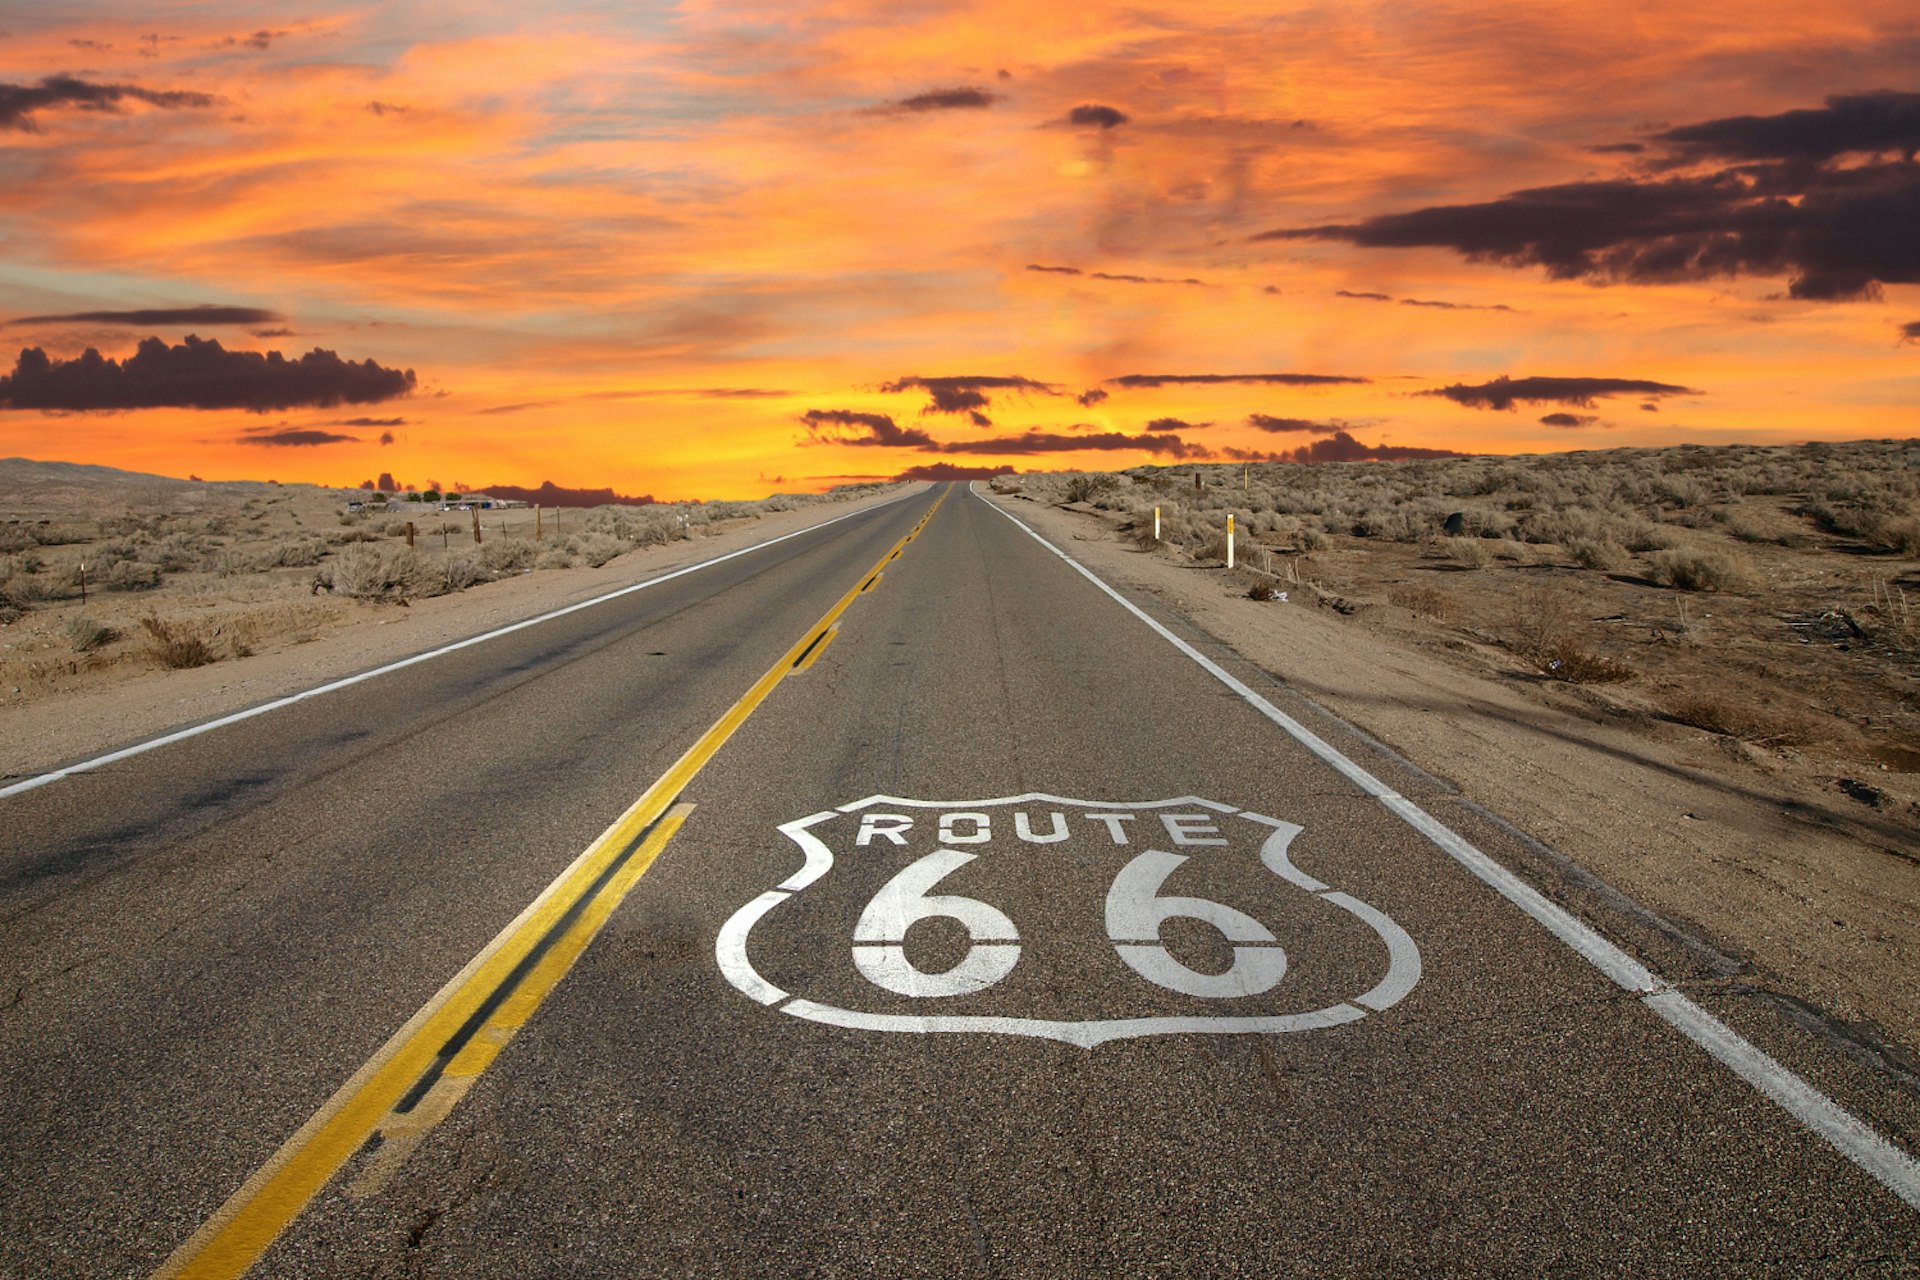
(41, 489)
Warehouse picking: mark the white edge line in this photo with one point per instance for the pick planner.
(191, 731)
(1887, 1164)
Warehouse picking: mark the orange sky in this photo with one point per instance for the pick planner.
(636, 246)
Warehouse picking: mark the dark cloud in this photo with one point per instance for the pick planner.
(961, 99)
(295, 436)
(1096, 116)
(1782, 206)
(1090, 397)
(1505, 393)
(1365, 297)
(741, 393)
(1278, 425)
(1056, 442)
(1455, 306)
(19, 102)
(1886, 122)
(386, 437)
(1059, 271)
(1618, 149)
(550, 494)
(388, 109)
(1910, 331)
(1569, 420)
(951, 471)
(965, 393)
(845, 426)
(205, 313)
(271, 333)
(371, 422)
(197, 374)
(1208, 379)
(1342, 447)
(1175, 424)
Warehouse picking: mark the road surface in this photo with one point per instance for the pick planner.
(889, 901)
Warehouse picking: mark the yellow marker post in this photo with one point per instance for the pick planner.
(1156, 524)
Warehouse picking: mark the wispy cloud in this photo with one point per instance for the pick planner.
(152, 317)
(20, 103)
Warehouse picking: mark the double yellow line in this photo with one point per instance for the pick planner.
(427, 1065)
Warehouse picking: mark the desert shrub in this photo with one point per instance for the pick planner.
(1086, 487)
(87, 634)
(1596, 553)
(128, 525)
(1542, 620)
(174, 645)
(1899, 534)
(378, 571)
(129, 575)
(507, 555)
(15, 537)
(395, 529)
(554, 558)
(595, 549)
(465, 569)
(303, 553)
(178, 552)
(1696, 570)
(1473, 553)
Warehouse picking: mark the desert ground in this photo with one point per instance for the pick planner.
(1693, 673)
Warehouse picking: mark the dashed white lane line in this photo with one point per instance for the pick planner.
(192, 731)
(1887, 1164)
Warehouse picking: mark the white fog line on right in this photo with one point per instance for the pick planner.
(1887, 1164)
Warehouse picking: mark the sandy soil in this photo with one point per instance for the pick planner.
(1757, 851)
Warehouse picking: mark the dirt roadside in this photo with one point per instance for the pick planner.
(44, 732)
(1823, 903)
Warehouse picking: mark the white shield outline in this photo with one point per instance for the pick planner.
(730, 947)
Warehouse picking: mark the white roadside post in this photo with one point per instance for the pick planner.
(1229, 540)
(1156, 524)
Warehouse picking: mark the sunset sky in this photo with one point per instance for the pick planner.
(720, 249)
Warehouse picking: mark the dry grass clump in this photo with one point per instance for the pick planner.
(175, 646)
(87, 634)
(1689, 569)
(1547, 630)
(1596, 553)
(374, 571)
(595, 549)
(1472, 553)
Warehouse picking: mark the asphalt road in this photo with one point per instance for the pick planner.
(1001, 939)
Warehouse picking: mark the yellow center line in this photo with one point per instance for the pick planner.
(424, 1068)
